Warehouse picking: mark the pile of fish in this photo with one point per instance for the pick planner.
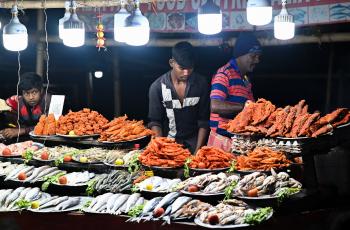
(115, 181)
(246, 144)
(76, 178)
(59, 204)
(91, 155)
(10, 197)
(162, 207)
(114, 203)
(260, 184)
(158, 184)
(228, 212)
(120, 157)
(207, 183)
(25, 173)
(17, 149)
(52, 152)
(190, 209)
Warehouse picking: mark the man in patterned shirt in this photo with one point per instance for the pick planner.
(30, 105)
(231, 88)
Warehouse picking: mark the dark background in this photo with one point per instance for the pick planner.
(285, 75)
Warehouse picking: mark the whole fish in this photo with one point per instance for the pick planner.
(54, 202)
(140, 201)
(101, 201)
(50, 174)
(111, 201)
(119, 202)
(3, 195)
(121, 210)
(46, 200)
(21, 196)
(132, 201)
(71, 202)
(148, 209)
(150, 205)
(36, 172)
(168, 199)
(13, 196)
(15, 171)
(177, 204)
(102, 209)
(28, 171)
(32, 194)
(45, 172)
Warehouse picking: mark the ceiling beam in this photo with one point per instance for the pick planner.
(48, 4)
(159, 42)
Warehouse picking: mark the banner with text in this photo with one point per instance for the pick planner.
(181, 16)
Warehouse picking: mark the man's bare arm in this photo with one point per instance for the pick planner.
(225, 109)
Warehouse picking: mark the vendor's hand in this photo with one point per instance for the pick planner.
(10, 133)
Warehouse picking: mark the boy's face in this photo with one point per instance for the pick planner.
(180, 72)
(32, 96)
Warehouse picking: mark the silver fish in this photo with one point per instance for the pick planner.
(168, 199)
(15, 171)
(140, 201)
(132, 201)
(119, 202)
(121, 209)
(28, 171)
(32, 194)
(49, 174)
(36, 172)
(13, 196)
(46, 200)
(179, 202)
(102, 208)
(148, 209)
(151, 204)
(3, 195)
(54, 202)
(111, 201)
(101, 200)
(71, 202)
(45, 172)
(21, 196)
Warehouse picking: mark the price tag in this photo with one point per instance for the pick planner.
(149, 173)
(56, 105)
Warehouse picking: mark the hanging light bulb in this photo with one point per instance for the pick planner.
(259, 12)
(119, 23)
(74, 29)
(209, 18)
(65, 18)
(136, 28)
(14, 34)
(284, 27)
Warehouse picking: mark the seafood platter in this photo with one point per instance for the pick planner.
(291, 128)
(212, 188)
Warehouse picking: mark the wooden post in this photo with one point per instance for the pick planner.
(89, 90)
(116, 83)
(40, 45)
(329, 80)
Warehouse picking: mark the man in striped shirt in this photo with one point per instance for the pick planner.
(231, 88)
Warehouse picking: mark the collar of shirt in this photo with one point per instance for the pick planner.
(233, 64)
(168, 81)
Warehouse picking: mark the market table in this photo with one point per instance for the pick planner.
(320, 219)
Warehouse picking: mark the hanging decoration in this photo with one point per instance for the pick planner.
(100, 43)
